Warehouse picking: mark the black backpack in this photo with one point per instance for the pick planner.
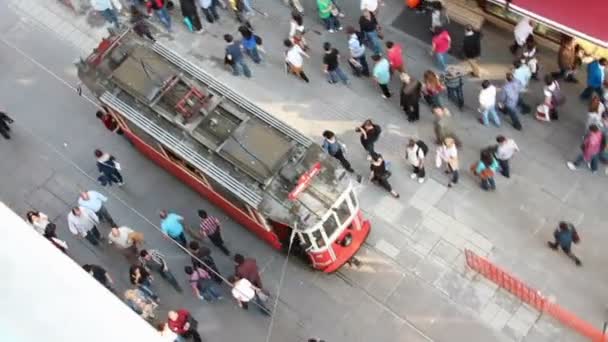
(423, 147)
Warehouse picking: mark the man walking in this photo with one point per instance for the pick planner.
(107, 10)
(394, 53)
(415, 152)
(126, 241)
(234, 57)
(154, 260)
(172, 225)
(210, 227)
(564, 236)
(247, 268)
(5, 120)
(358, 62)
(441, 44)
(487, 104)
(566, 60)
(94, 201)
(504, 152)
(182, 323)
(334, 149)
(508, 100)
(471, 48)
(382, 74)
(596, 72)
(83, 222)
(331, 65)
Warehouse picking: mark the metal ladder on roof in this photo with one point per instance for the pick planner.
(227, 92)
(220, 176)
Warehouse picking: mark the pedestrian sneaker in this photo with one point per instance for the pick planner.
(331, 31)
(578, 262)
(384, 96)
(571, 166)
(413, 176)
(359, 179)
(121, 183)
(421, 180)
(340, 28)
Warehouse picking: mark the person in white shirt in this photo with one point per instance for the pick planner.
(108, 9)
(95, 201)
(83, 222)
(552, 94)
(487, 104)
(447, 154)
(297, 30)
(522, 31)
(504, 152)
(126, 240)
(244, 292)
(294, 59)
(38, 220)
(414, 154)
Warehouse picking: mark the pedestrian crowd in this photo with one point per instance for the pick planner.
(91, 220)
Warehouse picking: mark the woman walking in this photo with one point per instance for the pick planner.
(485, 169)
(447, 154)
(380, 174)
(297, 30)
(431, 88)
(190, 14)
(109, 168)
(411, 90)
(294, 60)
(42, 225)
(591, 149)
(201, 284)
(369, 133)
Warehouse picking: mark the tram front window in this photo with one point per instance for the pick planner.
(343, 213)
(318, 237)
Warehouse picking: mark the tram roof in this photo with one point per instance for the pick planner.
(46, 296)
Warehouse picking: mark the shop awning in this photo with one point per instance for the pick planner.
(580, 18)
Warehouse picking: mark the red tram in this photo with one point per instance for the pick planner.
(266, 175)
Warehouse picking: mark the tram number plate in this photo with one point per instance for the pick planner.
(304, 181)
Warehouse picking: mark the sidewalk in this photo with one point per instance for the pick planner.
(414, 262)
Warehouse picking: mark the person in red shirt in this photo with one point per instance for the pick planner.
(108, 120)
(247, 268)
(441, 45)
(394, 53)
(181, 323)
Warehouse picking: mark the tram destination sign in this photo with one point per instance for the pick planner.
(304, 181)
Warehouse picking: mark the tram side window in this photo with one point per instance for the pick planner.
(343, 213)
(330, 225)
(353, 198)
(318, 238)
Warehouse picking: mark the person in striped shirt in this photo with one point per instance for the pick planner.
(210, 227)
(152, 259)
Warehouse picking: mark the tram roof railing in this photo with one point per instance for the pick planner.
(230, 94)
(166, 139)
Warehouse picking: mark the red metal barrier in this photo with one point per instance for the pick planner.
(532, 296)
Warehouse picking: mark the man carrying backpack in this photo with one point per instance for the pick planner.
(565, 235)
(414, 154)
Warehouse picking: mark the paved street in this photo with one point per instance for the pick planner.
(413, 285)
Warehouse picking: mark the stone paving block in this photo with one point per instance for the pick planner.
(420, 205)
(527, 314)
(506, 301)
(433, 225)
(388, 209)
(518, 327)
(388, 249)
(489, 312)
(445, 252)
(425, 237)
(422, 249)
(64, 187)
(501, 319)
(410, 219)
(430, 270)
(455, 239)
(451, 283)
(476, 296)
(408, 258)
(481, 242)
(476, 249)
(431, 192)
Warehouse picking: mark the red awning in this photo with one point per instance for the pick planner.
(580, 18)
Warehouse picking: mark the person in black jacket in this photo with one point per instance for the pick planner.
(5, 120)
(411, 90)
(471, 47)
(370, 132)
(190, 13)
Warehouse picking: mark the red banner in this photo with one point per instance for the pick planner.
(304, 181)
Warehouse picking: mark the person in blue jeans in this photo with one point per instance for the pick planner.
(160, 9)
(369, 27)
(332, 65)
(201, 284)
(487, 104)
(486, 169)
(234, 57)
(107, 10)
(564, 236)
(250, 44)
(596, 76)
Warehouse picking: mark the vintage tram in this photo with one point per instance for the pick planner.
(266, 175)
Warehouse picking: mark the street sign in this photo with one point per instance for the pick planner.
(304, 181)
